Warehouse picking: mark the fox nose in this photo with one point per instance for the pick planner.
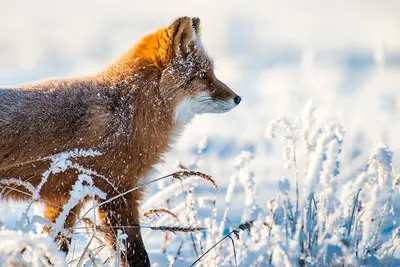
(237, 100)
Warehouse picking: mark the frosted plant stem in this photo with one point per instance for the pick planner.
(208, 250)
(25, 214)
(296, 176)
(375, 236)
(178, 252)
(309, 221)
(187, 216)
(35, 193)
(94, 173)
(228, 198)
(45, 177)
(87, 251)
(244, 226)
(355, 202)
(84, 252)
(285, 218)
(234, 250)
(118, 249)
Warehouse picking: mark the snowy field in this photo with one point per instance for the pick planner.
(278, 55)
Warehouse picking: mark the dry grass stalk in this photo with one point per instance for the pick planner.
(206, 177)
(175, 229)
(159, 212)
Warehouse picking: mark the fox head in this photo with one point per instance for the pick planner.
(186, 72)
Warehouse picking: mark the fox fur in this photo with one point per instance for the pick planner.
(131, 112)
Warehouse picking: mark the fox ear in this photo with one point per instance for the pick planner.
(196, 25)
(185, 30)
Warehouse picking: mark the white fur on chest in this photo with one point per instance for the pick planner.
(184, 113)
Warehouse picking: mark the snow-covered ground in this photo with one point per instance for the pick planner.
(277, 55)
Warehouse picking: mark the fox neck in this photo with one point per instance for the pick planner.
(156, 120)
(183, 115)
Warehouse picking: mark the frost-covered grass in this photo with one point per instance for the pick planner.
(317, 217)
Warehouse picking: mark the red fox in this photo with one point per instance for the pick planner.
(131, 112)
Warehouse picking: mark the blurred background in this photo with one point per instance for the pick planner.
(344, 55)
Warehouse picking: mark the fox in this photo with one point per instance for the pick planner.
(132, 112)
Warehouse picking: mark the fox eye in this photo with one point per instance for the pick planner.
(203, 75)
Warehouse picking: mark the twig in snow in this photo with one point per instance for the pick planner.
(241, 227)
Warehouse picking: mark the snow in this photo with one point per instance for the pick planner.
(277, 55)
(39, 250)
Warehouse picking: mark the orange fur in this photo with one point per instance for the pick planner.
(155, 47)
